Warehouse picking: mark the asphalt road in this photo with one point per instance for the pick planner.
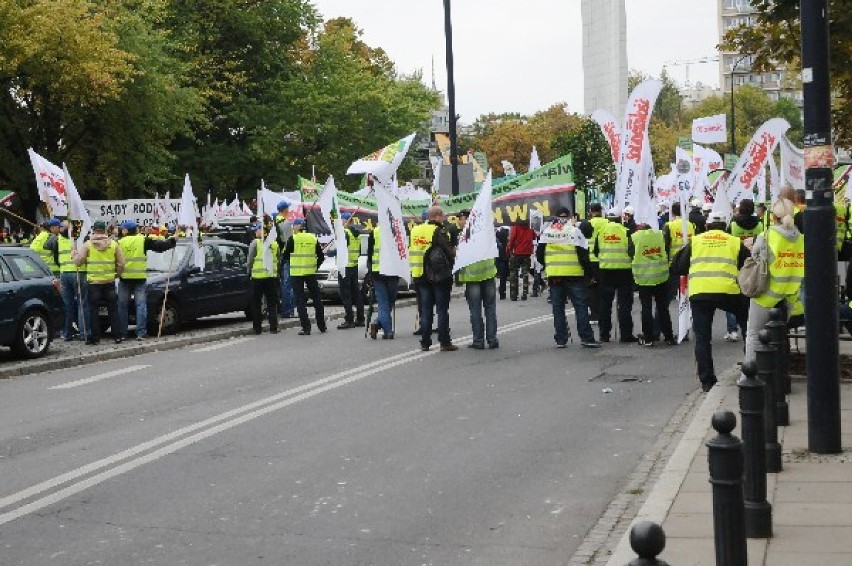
(333, 449)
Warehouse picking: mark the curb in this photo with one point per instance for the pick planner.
(171, 343)
(660, 499)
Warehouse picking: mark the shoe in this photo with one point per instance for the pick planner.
(304, 333)
(288, 315)
(503, 297)
(494, 345)
(70, 338)
(257, 332)
(708, 385)
(535, 295)
(92, 342)
(513, 298)
(274, 331)
(142, 338)
(727, 337)
(449, 347)
(561, 345)
(671, 341)
(646, 343)
(476, 346)
(735, 336)
(418, 332)
(424, 348)
(374, 331)
(628, 339)
(591, 344)
(523, 297)
(593, 322)
(604, 338)
(387, 336)
(119, 340)
(346, 325)
(359, 324)
(323, 330)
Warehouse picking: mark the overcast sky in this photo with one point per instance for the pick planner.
(525, 55)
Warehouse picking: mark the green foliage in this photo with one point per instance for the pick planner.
(593, 167)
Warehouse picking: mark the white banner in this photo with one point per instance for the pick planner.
(535, 162)
(792, 165)
(610, 130)
(683, 168)
(701, 158)
(753, 159)
(563, 231)
(327, 201)
(478, 240)
(684, 310)
(50, 182)
(187, 218)
(632, 175)
(76, 208)
(711, 129)
(393, 255)
(383, 163)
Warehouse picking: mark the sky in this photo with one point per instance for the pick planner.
(513, 56)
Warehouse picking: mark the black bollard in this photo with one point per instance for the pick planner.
(725, 456)
(766, 373)
(758, 511)
(782, 314)
(777, 337)
(648, 540)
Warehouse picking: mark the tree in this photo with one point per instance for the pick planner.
(774, 37)
(593, 167)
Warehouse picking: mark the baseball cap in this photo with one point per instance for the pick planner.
(707, 206)
(129, 224)
(628, 210)
(283, 205)
(298, 222)
(99, 225)
(717, 218)
(53, 222)
(614, 211)
(345, 215)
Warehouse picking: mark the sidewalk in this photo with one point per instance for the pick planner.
(811, 498)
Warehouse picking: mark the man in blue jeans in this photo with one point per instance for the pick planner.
(284, 230)
(432, 256)
(567, 268)
(385, 287)
(480, 291)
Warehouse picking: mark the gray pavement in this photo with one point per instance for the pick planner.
(333, 449)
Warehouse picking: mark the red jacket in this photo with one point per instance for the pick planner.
(521, 239)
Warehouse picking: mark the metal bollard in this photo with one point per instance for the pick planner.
(648, 540)
(777, 337)
(725, 456)
(758, 511)
(766, 373)
(781, 316)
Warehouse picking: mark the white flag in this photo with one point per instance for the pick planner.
(508, 168)
(268, 260)
(684, 310)
(701, 159)
(478, 240)
(722, 205)
(50, 181)
(792, 165)
(610, 130)
(76, 208)
(383, 163)
(327, 201)
(753, 158)
(535, 162)
(774, 181)
(685, 178)
(393, 256)
(562, 231)
(632, 176)
(186, 218)
(711, 129)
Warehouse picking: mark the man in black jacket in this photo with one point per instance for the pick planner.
(436, 282)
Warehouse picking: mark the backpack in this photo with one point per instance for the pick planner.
(754, 277)
(437, 266)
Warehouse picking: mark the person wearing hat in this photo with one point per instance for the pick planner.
(590, 229)
(134, 279)
(264, 283)
(712, 261)
(284, 231)
(705, 209)
(616, 283)
(628, 220)
(104, 261)
(781, 240)
(72, 284)
(350, 291)
(696, 216)
(650, 265)
(304, 255)
(567, 268)
(47, 252)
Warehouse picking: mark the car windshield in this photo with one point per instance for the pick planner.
(167, 261)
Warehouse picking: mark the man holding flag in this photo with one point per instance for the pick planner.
(264, 282)
(304, 254)
(347, 280)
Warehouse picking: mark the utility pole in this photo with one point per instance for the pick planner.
(823, 366)
(451, 98)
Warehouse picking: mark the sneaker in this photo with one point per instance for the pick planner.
(708, 385)
(604, 338)
(494, 345)
(119, 340)
(424, 348)
(727, 337)
(345, 325)
(735, 336)
(646, 343)
(388, 336)
(142, 338)
(374, 331)
(562, 346)
(628, 339)
(304, 333)
(449, 347)
(592, 344)
(274, 331)
(671, 341)
(476, 346)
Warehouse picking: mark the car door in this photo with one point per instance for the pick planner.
(203, 288)
(235, 278)
(10, 298)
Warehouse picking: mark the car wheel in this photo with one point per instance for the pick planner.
(34, 335)
(171, 319)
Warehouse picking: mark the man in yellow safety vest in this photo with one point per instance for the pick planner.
(104, 261)
(348, 284)
(264, 283)
(304, 254)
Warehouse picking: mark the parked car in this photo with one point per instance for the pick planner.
(327, 272)
(221, 287)
(31, 310)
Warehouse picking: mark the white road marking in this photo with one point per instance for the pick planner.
(224, 344)
(172, 442)
(99, 377)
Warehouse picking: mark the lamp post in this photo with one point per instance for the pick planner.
(733, 116)
(451, 99)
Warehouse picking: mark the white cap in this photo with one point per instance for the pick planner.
(614, 211)
(694, 202)
(717, 217)
(707, 206)
(628, 210)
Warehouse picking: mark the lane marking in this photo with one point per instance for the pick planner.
(225, 344)
(172, 442)
(99, 377)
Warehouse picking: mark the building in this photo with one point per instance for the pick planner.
(734, 66)
(692, 94)
(604, 56)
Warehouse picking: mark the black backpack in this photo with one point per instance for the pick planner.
(437, 266)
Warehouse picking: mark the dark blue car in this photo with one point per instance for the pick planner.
(30, 302)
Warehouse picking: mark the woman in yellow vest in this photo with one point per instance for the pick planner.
(783, 248)
(304, 254)
(105, 261)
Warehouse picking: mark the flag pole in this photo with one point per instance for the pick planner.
(13, 215)
(166, 292)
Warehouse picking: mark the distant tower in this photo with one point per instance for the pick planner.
(604, 56)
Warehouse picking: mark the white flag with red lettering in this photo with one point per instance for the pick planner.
(478, 240)
(632, 173)
(710, 129)
(393, 255)
(50, 181)
(792, 165)
(753, 159)
(610, 130)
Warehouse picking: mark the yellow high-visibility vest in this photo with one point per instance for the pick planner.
(101, 264)
(421, 240)
(713, 264)
(303, 260)
(786, 272)
(135, 261)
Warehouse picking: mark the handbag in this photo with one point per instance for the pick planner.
(753, 278)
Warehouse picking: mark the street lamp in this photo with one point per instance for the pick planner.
(451, 99)
(733, 116)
